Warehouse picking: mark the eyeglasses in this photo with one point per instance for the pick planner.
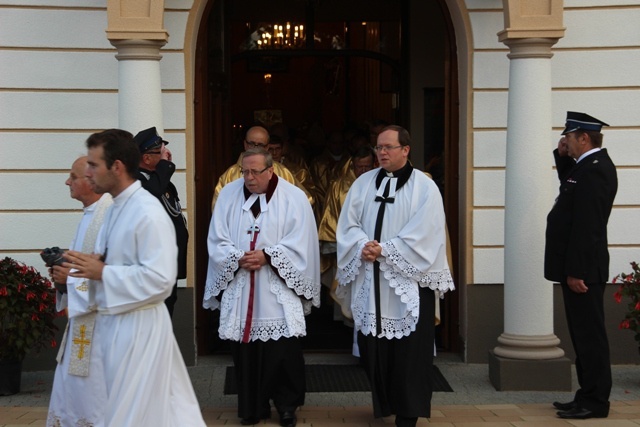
(256, 144)
(153, 152)
(387, 148)
(252, 172)
(363, 168)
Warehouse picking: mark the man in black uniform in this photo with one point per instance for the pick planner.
(155, 171)
(577, 256)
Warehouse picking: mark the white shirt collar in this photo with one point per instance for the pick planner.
(593, 150)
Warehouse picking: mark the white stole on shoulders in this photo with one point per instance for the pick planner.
(82, 307)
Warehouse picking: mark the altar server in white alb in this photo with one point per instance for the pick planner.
(78, 396)
(392, 256)
(264, 259)
(133, 271)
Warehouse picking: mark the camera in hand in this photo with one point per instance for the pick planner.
(52, 256)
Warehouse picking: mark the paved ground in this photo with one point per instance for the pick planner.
(474, 402)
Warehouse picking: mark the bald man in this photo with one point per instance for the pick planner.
(79, 393)
(256, 137)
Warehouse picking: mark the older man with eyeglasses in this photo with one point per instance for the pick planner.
(256, 137)
(264, 260)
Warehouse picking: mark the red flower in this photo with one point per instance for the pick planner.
(624, 324)
(618, 297)
(27, 300)
(630, 288)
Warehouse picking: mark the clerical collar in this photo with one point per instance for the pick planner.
(403, 174)
(273, 183)
(91, 207)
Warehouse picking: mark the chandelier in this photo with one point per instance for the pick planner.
(277, 36)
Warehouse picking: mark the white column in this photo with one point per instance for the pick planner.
(528, 297)
(139, 88)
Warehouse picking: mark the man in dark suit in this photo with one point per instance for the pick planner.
(576, 256)
(155, 172)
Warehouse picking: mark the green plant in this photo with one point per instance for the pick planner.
(630, 288)
(27, 310)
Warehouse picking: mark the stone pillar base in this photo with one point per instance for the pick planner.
(530, 375)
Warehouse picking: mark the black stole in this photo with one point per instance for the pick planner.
(403, 176)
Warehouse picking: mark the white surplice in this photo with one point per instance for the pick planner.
(287, 234)
(413, 240)
(147, 383)
(79, 400)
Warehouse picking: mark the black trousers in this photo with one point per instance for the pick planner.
(400, 370)
(269, 370)
(585, 318)
(170, 302)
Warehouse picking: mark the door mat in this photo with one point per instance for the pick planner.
(336, 378)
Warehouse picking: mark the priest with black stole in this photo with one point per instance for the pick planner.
(392, 256)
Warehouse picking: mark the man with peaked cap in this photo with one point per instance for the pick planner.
(155, 172)
(576, 256)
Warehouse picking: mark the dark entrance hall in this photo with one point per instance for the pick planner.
(349, 65)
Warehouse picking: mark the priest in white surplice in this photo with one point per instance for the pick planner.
(264, 259)
(391, 239)
(78, 398)
(133, 271)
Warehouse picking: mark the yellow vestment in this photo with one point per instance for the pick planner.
(234, 172)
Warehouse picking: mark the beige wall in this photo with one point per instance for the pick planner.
(58, 83)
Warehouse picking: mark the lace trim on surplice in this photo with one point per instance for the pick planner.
(225, 273)
(301, 285)
(261, 329)
(293, 306)
(232, 325)
(54, 421)
(436, 280)
(348, 274)
(390, 328)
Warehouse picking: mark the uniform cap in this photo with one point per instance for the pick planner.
(149, 139)
(582, 121)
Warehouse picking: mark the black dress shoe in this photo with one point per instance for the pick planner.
(565, 406)
(406, 421)
(249, 421)
(288, 419)
(579, 413)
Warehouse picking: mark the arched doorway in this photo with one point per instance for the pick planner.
(349, 64)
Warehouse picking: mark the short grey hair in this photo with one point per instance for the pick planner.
(268, 158)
